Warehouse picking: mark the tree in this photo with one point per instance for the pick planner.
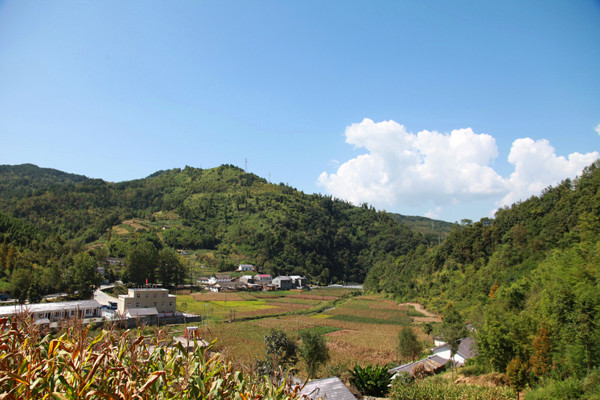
(170, 269)
(541, 359)
(141, 263)
(83, 276)
(313, 351)
(20, 281)
(282, 351)
(516, 372)
(408, 344)
(453, 330)
(33, 293)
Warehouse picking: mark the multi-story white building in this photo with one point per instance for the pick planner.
(148, 298)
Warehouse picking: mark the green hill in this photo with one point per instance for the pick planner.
(225, 215)
(528, 279)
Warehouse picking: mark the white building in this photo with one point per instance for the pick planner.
(140, 298)
(466, 350)
(46, 313)
(245, 267)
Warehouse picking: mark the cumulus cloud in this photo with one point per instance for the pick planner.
(536, 166)
(597, 128)
(402, 169)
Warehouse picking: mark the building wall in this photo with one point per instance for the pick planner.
(148, 298)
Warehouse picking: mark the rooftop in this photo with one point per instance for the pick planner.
(328, 388)
(46, 307)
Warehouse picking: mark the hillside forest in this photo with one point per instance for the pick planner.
(55, 225)
(528, 280)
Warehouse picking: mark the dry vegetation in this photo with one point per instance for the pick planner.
(361, 330)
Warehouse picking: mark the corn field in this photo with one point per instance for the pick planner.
(116, 364)
(435, 390)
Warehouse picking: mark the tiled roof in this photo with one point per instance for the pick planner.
(431, 363)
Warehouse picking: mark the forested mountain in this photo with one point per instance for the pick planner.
(226, 215)
(529, 279)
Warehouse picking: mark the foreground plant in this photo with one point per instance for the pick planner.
(120, 365)
(371, 380)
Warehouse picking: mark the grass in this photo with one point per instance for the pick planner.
(397, 320)
(321, 330)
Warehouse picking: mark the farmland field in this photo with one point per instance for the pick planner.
(358, 329)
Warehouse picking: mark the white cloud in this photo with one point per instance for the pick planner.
(431, 170)
(536, 166)
(597, 128)
(405, 168)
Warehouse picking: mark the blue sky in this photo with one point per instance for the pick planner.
(444, 109)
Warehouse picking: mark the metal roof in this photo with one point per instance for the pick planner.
(329, 388)
(49, 307)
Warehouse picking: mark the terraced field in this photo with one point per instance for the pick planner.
(358, 329)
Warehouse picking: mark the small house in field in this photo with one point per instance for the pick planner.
(203, 280)
(245, 267)
(227, 286)
(247, 279)
(219, 278)
(283, 282)
(262, 279)
(429, 365)
(466, 350)
(298, 281)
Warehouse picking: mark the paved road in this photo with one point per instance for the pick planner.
(102, 297)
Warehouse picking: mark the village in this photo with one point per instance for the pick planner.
(151, 305)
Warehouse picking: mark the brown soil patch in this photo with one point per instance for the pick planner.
(384, 305)
(134, 224)
(313, 297)
(217, 297)
(489, 380)
(274, 309)
(429, 316)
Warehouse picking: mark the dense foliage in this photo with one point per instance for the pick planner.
(227, 214)
(528, 280)
(119, 365)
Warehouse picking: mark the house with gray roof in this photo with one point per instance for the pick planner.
(283, 282)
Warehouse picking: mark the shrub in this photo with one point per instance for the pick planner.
(564, 390)
(371, 380)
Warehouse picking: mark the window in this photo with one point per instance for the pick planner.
(155, 295)
(137, 305)
(154, 304)
(138, 295)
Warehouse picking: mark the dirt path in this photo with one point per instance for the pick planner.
(429, 316)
